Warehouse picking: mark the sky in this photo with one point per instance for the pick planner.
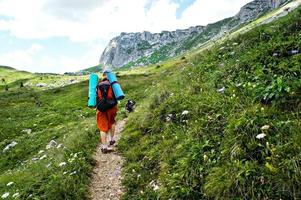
(68, 35)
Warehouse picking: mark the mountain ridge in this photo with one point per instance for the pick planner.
(142, 48)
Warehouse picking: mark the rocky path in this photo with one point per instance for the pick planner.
(106, 177)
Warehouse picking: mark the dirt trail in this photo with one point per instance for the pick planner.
(106, 176)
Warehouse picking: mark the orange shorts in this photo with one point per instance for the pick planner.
(106, 119)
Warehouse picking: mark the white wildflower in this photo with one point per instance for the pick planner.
(156, 187)
(9, 184)
(64, 173)
(265, 127)
(185, 112)
(293, 52)
(35, 159)
(48, 165)
(51, 144)
(59, 146)
(16, 195)
(28, 131)
(168, 118)
(40, 152)
(10, 146)
(221, 90)
(44, 156)
(5, 195)
(260, 136)
(62, 164)
(72, 173)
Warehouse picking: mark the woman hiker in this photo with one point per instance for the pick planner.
(106, 119)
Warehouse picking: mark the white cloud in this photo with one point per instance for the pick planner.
(202, 12)
(23, 59)
(90, 20)
(34, 59)
(84, 21)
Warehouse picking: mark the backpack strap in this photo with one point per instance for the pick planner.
(104, 87)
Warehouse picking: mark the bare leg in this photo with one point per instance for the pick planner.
(103, 139)
(112, 131)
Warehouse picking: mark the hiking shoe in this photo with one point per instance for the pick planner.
(104, 150)
(112, 142)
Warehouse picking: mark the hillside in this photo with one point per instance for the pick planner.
(8, 75)
(220, 122)
(48, 135)
(223, 123)
(139, 49)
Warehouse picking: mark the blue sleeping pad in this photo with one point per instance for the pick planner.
(93, 81)
(115, 86)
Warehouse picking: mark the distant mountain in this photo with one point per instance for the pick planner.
(137, 49)
(6, 67)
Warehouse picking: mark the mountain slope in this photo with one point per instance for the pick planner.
(223, 123)
(48, 135)
(137, 49)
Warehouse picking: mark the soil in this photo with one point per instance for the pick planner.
(106, 176)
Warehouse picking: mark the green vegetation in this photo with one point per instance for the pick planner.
(144, 45)
(220, 123)
(32, 117)
(223, 123)
(94, 69)
(157, 56)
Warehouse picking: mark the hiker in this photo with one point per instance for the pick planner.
(129, 107)
(106, 113)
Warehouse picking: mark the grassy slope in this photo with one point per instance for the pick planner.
(94, 69)
(213, 152)
(62, 116)
(58, 114)
(10, 76)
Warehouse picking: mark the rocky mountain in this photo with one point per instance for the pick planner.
(136, 49)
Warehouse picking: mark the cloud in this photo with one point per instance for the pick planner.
(202, 12)
(22, 59)
(75, 10)
(82, 21)
(86, 22)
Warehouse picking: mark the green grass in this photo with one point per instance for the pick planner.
(58, 114)
(13, 78)
(212, 152)
(94, 69)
